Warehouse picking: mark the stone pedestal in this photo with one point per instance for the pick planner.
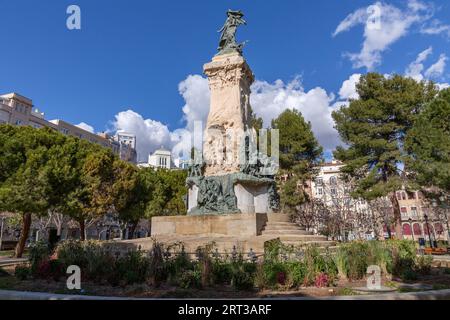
(238, 225)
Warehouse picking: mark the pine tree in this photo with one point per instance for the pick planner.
(299, 155)
(374, 128)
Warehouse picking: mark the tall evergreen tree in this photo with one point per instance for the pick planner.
(374, 128)
(299, 155)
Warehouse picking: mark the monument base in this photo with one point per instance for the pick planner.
(244, 232)
(245, 225)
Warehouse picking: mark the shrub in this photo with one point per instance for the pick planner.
(296, 273)
(221, 272)
(403, 254)
(22, 272)
(356, 260)
(190, 279)
(95, 262)
(133, 267)
(408, 275)
(272, 272)
(242, 277)
(157, 269)
(50, 269)
(423, 264)
(39, 252)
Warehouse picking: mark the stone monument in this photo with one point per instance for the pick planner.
(231, 176)
(232, 199)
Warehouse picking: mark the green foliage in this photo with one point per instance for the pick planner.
(222, 272)
(242, 275)
(374, 128)
(428, 143)
(190, 279)
(299, 154)
(39, 252)
(95, 262)
(133, 267)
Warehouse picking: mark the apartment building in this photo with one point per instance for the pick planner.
(418, 217)
(335, 193)
(18, 110)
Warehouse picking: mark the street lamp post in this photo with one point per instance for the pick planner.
(412, 230)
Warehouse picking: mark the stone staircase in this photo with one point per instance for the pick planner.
(279, 226)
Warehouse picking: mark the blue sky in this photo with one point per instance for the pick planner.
(133, 55)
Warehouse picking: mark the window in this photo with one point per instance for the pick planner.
(333, 191)
(403, 210)
(18, 122)
(319, 181)
(399, 196)
(414, 211)
(333, 181)
(319, 191)
(64, 131)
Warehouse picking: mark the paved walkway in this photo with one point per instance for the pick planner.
(426, 295)
(11, 261)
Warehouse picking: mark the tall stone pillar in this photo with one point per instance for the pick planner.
(230, 79)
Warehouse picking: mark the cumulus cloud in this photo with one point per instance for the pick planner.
(384, 24)
(348, 89)
(268, 100)
(150, 134)
(437, 69)
(86, 127)
(195, 92)
(415, 69)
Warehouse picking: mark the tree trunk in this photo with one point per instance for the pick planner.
(26, 224)
(82, 230)
(397, 215)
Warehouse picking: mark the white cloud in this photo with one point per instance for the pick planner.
(86, 127)
(268, 100)
(437, 69)
(383, 26)
(195, 92)
(415, 69)
(436, 27)
(348, 89)
(150, 134)
(353, 19)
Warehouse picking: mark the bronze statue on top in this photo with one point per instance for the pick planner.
(228, 42)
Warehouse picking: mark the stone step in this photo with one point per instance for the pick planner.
(278, 217)
(282, 232)
(295, 237)
(282, 227)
